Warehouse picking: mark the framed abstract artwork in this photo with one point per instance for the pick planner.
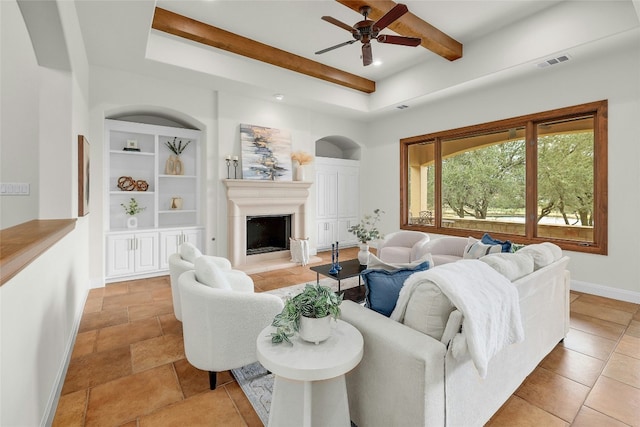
(83, 176)
(266, 153)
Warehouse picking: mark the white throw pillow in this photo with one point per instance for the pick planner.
(511, 265)
(189, 252)
(376, 263)
(541, 254)
(208, 273)
(428, 310)
(475, 249)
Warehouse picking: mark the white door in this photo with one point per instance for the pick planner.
(348, 192)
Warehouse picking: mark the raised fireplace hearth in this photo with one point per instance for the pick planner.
(252, 198)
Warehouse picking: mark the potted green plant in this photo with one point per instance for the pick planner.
(309, 313)
(367, 231)
(132, 209)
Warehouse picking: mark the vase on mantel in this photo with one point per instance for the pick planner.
(300, 173)
(363, 254)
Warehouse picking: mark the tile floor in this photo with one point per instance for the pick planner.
(128, 366)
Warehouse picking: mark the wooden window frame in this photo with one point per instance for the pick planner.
(599, 110)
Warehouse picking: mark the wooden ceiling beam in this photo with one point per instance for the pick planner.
(181, 26)
(409, 25)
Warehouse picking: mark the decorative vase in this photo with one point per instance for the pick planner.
(176, 203)
(170, 165)
(179, 166)
(300, 173)
(315, 330)
(132, 222)
(363, 254)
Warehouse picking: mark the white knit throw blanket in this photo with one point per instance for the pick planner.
(487, 300)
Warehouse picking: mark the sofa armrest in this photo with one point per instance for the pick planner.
(400, 380)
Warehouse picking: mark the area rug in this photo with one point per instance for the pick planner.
(257, 385)
(256, 382)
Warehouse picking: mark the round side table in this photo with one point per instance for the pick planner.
(309, 387)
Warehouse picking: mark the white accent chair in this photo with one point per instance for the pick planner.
(446, 249)
(183, 260)
(222, 317)
(403, 246)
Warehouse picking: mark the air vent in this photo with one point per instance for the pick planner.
(402, 107)
(554, 61)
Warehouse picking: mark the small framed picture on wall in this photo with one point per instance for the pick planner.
(83, 176)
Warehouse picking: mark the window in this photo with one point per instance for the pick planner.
(541, 177)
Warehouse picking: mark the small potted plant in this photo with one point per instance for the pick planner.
(366, 231)
(132, 209)
(309, 313)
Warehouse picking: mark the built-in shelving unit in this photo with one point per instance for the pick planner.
(163, 224)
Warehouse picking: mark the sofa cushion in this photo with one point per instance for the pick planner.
(542, 254)
(189, 252)
(376, 263)
(382, 287)
(428, 310)
(396, 254)
(488, 240)
(208, 273)
(511, 265)
(475, 249)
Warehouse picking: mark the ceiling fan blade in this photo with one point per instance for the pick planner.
(405, 41)
(395, 13)
(340, 24)
(335, 47)
(367, 55)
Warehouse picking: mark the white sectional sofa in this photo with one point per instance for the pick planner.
(410, 378)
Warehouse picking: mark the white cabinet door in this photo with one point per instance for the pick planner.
(348, 192)
(327, 194)
(326, 233)
(344, 236)
(131, 253)
(170, 241)
(146, 252)
(120, 260)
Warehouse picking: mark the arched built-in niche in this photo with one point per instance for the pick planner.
(337, 147)
(154, 116)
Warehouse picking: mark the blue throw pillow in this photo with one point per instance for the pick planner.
(488, 240)
(382, 287)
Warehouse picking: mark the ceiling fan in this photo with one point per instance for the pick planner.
(367, 30)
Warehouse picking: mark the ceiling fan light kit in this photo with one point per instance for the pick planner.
(366, 30)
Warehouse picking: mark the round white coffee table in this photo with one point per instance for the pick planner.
(309, 387)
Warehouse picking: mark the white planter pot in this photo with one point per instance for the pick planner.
(363, 254)
(315, 330)
(132, 222)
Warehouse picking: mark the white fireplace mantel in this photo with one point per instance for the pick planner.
(255, 197)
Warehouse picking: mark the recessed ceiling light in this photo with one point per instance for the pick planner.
(279, 96)
(377, 63)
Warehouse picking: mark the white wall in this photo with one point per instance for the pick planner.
(43, 111)
(306, 128)
(612, 76)
(19, 106)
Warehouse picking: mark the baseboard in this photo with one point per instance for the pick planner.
(54, 398)
(605, 291)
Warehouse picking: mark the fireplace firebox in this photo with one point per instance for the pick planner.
(268, 233)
